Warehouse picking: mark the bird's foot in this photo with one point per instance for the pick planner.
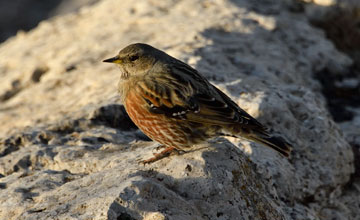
(165, 153)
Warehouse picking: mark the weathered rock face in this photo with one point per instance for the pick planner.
(69, 151)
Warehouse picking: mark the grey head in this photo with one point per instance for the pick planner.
(137, 59)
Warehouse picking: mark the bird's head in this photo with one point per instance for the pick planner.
(136, 59)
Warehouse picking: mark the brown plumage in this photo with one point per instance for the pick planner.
(176, 106)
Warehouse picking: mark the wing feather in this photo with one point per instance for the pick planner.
(188, 96)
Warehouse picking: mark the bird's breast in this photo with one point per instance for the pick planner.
(158, 127)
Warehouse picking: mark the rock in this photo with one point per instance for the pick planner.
(68, 150)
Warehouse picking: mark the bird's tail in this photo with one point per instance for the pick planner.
(275, 142)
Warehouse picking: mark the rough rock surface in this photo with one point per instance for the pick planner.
(68, 150)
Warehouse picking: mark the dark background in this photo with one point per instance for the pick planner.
(18, 15)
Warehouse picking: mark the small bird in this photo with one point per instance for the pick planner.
(173, 104)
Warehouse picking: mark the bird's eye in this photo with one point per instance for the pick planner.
(134, 57)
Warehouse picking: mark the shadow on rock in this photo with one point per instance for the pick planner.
(114, 116)
(222, 185)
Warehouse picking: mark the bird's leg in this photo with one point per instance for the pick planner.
(165, 153)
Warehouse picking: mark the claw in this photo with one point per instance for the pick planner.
(158, 156)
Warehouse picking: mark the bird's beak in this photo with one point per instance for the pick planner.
(115, 59)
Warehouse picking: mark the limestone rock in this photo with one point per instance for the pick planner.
(69, 151)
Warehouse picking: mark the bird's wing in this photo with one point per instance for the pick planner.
(186, 95)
